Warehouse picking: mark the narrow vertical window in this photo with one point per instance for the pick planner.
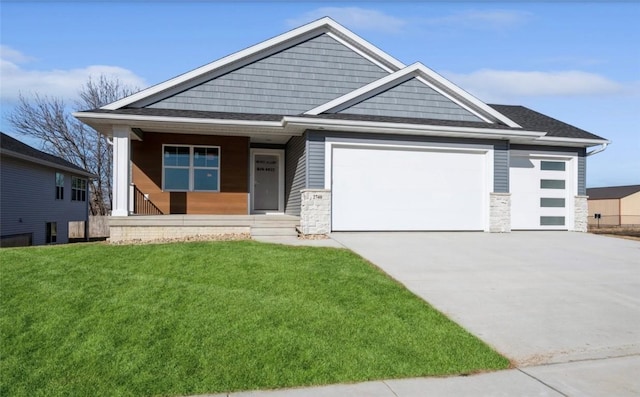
(51, 232)
(78, 189)
(59, 186)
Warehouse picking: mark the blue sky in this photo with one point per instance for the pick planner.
(577, 62)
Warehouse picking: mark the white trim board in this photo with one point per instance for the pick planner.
(425, 76)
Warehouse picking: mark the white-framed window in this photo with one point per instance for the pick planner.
(59, 186)
(190, 168)
(78, 189)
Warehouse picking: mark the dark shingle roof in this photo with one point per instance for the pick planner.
(11, 144)
(532, 120)
(612, 192)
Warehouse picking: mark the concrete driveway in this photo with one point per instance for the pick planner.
(536, 297)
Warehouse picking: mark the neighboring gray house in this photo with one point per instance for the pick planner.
(39, 195)
(319, 124)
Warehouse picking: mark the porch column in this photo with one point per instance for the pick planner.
(120, 183)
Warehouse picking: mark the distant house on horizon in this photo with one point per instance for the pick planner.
(39, 195)
(617, 205)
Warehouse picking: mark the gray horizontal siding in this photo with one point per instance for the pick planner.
(316, 151)
(412, 99)
(28, 201)
(501, 167)
(582, 172)
(289, 82)
(315, 161)
(295, 174)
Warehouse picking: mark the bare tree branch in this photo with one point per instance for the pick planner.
(49, 120)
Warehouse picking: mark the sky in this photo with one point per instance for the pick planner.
(575, 61)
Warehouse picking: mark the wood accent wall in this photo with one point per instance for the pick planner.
(146, 156)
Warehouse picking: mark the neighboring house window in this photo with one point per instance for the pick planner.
(191, 168)
(59, 186)
(78, 189)
(52, 232)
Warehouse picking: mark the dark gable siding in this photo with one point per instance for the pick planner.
(412, 99)
(291, 81)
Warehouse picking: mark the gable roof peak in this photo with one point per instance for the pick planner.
(259, 51)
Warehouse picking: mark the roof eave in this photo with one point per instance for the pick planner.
(51, 164)
(573, 142)
(409, 129)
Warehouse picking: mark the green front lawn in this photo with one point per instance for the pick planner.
(192, 318)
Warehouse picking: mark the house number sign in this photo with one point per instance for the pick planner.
(266, 165)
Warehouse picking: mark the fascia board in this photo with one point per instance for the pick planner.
(46, 163)
(369, 49)
(436, 79)
(255, 52)
(403, 128)
(582, 142)
(362, 92)
(115, 119)
(428, 77)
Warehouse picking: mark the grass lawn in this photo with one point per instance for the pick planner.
(191, 318)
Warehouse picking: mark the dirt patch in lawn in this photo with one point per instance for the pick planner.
(629, 233)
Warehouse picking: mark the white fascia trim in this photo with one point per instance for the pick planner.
(361, 92)
(464, 95)
(325, 24)
(372, 126)
(428, 77)
(574, 141)
(45, 163)
(363, 47)
(127, 118)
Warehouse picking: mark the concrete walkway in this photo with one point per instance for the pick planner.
(565, 307)
(610, 377)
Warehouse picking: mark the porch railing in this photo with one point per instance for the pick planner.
(141, 204)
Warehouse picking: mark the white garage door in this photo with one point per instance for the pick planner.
(541, 193)
(383, 188)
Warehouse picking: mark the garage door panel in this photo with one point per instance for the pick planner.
(395, 189)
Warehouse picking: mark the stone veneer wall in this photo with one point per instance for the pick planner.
(500, 213)
(315, 211)
(581, 217)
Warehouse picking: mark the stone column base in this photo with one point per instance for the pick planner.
(500, 213)
(315, 211)
(581, 214)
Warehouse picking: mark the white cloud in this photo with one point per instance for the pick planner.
(60, 83)
(492, 85)
(496, 19)
(353, 18)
